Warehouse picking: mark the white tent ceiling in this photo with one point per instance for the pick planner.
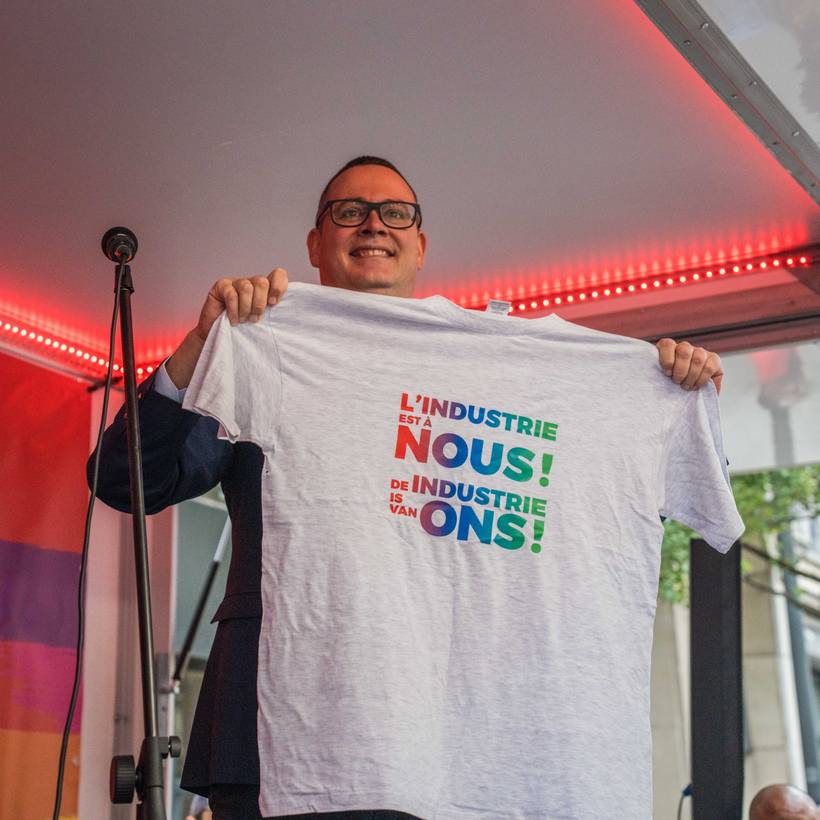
(548, 141)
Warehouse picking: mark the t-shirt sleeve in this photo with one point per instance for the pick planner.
(238, 381)
(693, 480)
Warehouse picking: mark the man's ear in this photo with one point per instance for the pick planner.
(422, 246)
(314, 239)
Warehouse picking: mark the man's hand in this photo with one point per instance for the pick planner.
(243, 299)
(689, 366)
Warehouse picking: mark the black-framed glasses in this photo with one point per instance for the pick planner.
(350, 213)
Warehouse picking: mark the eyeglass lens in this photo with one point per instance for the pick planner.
(394, 214)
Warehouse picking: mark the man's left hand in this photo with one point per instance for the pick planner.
(689, 366)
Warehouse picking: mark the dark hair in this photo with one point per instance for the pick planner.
(364, 160)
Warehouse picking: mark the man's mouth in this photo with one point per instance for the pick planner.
(363, 252)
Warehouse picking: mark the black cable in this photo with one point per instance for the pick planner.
(58, 798)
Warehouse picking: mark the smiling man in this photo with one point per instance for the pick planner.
(375, 257)
(367, 237)
(370, 247)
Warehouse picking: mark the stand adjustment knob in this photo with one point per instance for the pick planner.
(122, 779)
(174, 746)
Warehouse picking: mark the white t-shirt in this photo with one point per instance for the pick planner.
(460, 552)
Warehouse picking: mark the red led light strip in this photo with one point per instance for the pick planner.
(94, 363)
(62, 351)
(657, 281)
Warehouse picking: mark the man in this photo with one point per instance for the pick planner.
(782, 802)
(340, 255)
(184, 458)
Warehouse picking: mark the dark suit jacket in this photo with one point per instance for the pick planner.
(182, 458)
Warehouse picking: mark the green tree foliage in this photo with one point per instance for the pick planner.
(767, 502)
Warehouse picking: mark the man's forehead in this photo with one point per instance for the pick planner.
(373, 182)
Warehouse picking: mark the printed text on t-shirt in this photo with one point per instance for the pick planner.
(464, 510)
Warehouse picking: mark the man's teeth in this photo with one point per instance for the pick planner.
(371, 252)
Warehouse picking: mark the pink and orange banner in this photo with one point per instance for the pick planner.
(45, 419)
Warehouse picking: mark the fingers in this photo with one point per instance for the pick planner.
(689, 366)
(244, 292)
(666, 354)
(222, 296)
(278, 283)
(245, 299)
(228, 296)
(253, 298)
(694, 377)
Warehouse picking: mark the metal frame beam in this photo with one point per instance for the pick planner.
(710, 52)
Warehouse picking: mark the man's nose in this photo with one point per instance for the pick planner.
(373, 223)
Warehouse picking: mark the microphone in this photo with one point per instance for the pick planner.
(119, 245)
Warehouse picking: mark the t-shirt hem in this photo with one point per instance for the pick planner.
(722, 541)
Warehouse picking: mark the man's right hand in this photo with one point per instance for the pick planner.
(244, 300)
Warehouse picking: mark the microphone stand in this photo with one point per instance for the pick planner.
(120, 246)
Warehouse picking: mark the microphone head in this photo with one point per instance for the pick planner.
(119, 244)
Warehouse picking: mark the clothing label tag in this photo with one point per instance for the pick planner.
(498, 307)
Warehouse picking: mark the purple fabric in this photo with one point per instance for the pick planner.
(38, 594)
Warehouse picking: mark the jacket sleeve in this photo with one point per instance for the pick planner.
(182, 457)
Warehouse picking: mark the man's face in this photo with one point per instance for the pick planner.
(371, 257)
